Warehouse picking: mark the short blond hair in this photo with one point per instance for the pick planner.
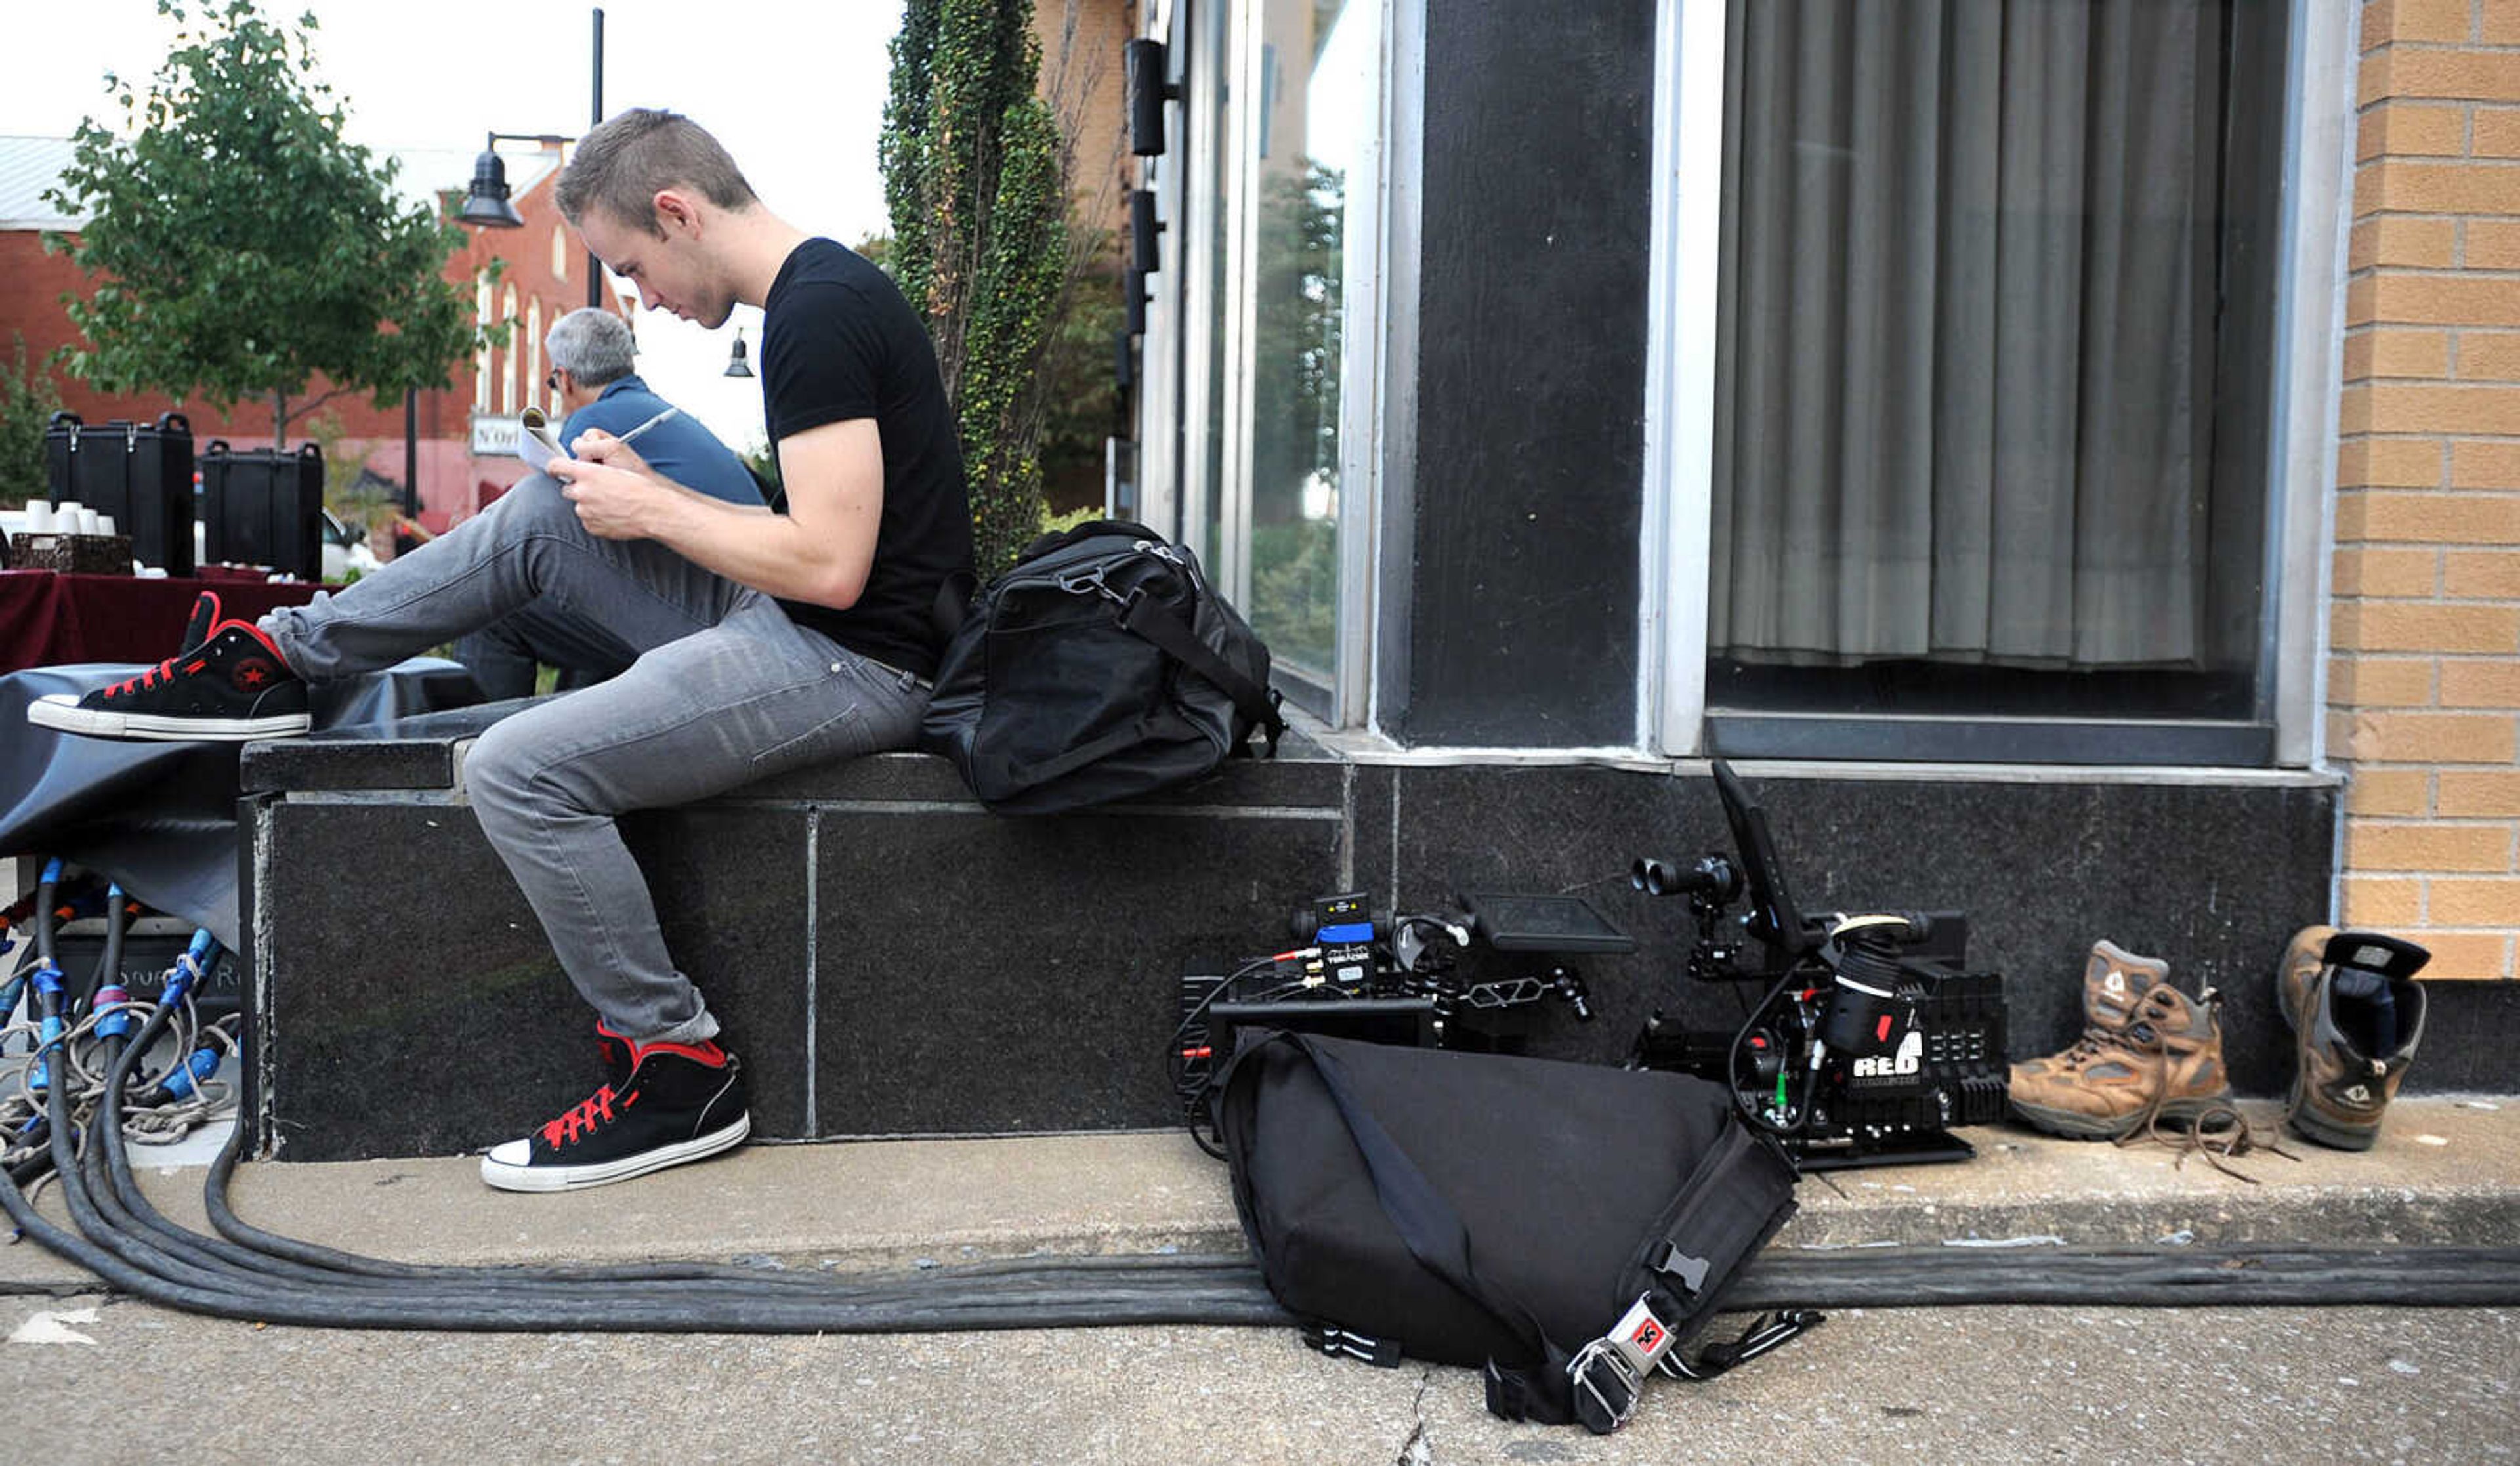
(626, 159)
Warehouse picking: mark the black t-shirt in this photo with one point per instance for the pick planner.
(839, 343)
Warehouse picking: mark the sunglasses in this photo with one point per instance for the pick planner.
(552, 382)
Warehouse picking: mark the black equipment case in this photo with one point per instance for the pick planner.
(264, 508)
(142, 476)
(1100, 666)
(1565, 1225)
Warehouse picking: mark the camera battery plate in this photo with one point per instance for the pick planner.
(1516, 922)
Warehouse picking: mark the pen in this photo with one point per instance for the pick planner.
(650, 422)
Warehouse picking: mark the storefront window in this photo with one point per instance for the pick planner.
(1990, 411)
(1315, 117)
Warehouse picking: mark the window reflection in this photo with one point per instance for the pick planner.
(1315, 117)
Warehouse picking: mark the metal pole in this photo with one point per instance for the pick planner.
(411, 453)
(594, 267)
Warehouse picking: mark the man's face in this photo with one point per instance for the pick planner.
(674, 274)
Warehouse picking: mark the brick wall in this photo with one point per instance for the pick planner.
(2424, 671)
(452, 481)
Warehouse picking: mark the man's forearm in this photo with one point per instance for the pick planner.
(749, 544)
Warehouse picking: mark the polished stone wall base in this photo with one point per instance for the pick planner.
(891, 959)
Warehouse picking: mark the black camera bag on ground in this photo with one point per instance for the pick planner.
(1100, 666)
(1567, 1227)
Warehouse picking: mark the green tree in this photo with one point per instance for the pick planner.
(241, 246)
(1082, 392)
(28, 401)
(975, 177)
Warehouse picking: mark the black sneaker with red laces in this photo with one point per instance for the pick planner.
(614, 1052)
(681, 1103)
(227, 685)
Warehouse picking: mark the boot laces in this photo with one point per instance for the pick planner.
(2233, 1134)
(590, 1113)
(2097, 1039)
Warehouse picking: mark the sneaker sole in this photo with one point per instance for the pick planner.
(580, 1178)
(2073, 1126)
(67, 716)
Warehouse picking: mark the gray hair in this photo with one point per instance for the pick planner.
(592, 345)
(624, 160)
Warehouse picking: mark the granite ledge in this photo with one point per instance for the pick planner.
(425, 753)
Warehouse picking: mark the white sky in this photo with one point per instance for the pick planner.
(795, 88)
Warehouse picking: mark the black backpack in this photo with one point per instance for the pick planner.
(1100, 667)
(1567, 1227)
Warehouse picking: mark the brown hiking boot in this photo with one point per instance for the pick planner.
(2166, 1063)
(2114, 981)
(2357, 1015)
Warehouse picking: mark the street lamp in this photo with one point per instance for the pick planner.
(486, 204)
(735, 365)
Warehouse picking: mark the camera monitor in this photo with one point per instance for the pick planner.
(1774, 918)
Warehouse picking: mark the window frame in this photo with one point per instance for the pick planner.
(1345, 698)
(1674, 718)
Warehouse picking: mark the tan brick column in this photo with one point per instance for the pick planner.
(2424, 675)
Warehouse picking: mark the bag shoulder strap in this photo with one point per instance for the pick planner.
(1434, 1234)
(1152, 620)
(953, 605)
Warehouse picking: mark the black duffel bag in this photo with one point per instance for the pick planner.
(1100, 667)
(1566, 1226)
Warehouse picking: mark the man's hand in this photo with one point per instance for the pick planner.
(613, 503)
(596, 446)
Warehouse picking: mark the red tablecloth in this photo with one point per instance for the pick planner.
(49, 620)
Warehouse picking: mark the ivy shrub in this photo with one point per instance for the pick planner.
(975, 179)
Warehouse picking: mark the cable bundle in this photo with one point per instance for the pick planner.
(86, 1114)
(71, 1050)
(244, 1273)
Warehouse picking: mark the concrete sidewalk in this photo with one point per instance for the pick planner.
(2084, 1382)
(2447, 1171)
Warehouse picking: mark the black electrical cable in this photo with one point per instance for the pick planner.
(664, 1283)
(1749, 1113)
(1177, 1063)
(2134, 1277)
(248, 1273)
(109, 965)
(1036, 1293)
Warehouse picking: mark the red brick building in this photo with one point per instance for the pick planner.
(544, 277)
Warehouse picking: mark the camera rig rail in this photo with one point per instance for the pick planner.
(1467, 977)
(1873, 1039)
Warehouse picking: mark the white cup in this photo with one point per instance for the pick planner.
(40, 518)
(104, 524)
(65, 516)
(87, 522)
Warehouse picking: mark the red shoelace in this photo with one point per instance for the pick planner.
(582, 1121)
(164, 671)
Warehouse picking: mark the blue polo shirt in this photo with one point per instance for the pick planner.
(682, 448)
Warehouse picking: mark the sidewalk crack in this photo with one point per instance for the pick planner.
(1418, 1450)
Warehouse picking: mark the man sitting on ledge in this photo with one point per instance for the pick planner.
(758, 641)
(590, 354)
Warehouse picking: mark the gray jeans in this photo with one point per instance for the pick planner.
(725, 689)
(506, 656)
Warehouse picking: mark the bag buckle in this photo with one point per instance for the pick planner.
(1689, 1272)
(1609, 1374)
(1334, 1341)
(1078, 581)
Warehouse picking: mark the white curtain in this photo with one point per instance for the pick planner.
(1966, 355)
